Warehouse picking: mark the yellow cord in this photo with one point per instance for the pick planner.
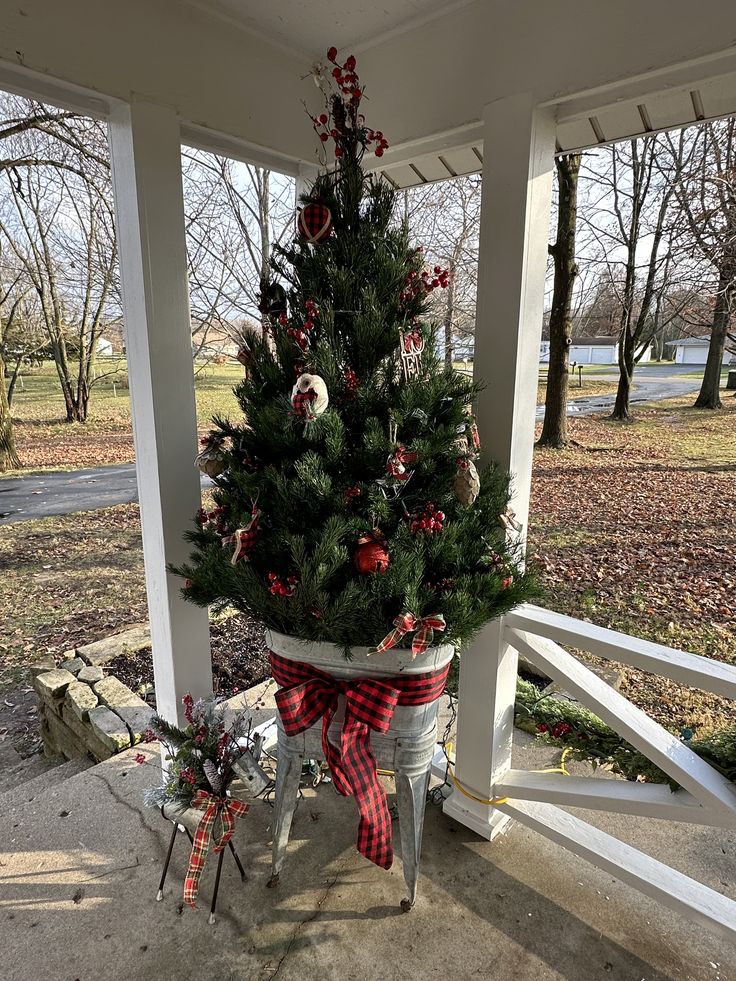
(497, 801)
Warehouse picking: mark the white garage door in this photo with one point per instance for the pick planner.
(602, 355)
(694, 355)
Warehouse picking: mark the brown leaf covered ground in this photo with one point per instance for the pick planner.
(635, 529)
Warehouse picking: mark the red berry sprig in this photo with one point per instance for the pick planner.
(351, 493)
(279, 588)
(430, 521)
(424, 283)
(299, 337)
(351, 382)
(333, 125)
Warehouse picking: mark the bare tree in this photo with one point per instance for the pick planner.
(633, 220)
(235, 214)
(706, 193)
(554, 428)
(445, 217)
(58, 225)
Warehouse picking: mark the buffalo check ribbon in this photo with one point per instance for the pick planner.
(423, 629)
(308, 694)
(228, 810)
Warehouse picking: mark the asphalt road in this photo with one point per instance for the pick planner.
(650, 385)
(47, 494)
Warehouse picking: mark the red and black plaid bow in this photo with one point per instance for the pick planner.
(308, 694)
(407, 623)
(228, 810)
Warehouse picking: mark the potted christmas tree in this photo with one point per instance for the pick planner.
(350, 517)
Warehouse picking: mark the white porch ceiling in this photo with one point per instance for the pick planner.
(308, 28)
(622, 120)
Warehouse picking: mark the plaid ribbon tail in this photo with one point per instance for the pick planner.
(212, 806)
(402, 626)
(425, 634)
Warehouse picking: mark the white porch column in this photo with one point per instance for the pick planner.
(145, 150)
(518, 161)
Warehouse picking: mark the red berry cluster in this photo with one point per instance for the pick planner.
(212, 520)
(421, 284)
(301, 334)
(428, 521)
(345, 76)
(350, 91)
(278, 588)
(188, 776)
(351, 382)
(558, 730)
(351, 493)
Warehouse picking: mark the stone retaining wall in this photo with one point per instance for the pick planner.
(83, 710)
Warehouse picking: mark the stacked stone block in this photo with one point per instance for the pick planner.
(84, 711)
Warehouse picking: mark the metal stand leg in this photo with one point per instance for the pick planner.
(237, 860)
(288, 774)
(217, 886)
(411, 795)
(160, 893)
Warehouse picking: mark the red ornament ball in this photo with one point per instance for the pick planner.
(315, 222)
(371, 556)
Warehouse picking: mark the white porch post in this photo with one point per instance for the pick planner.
(518, 160)
(145, 150)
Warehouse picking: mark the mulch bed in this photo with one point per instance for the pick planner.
(239, 658)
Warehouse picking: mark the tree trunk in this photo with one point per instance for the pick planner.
(621, 408)
(554, 428)
(710, 394)
(449, 315)
(8, 457)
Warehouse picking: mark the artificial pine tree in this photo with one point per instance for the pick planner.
(348, 495)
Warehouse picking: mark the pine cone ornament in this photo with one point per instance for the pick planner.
(309, 397)
(214, 778)
(467, 482)
(212, 460)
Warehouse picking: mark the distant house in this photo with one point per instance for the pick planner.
(691, 350)
(591, 350)
(104, 347)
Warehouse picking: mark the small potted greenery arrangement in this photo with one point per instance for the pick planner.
(201, 761)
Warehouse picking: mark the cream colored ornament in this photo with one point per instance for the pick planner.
(212, 460)
(467, 483)
(301, 394)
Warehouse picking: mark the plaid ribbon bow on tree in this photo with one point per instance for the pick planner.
(407, 623)
(212, 806)
(308, 694)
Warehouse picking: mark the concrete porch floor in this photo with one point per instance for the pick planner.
(81, 862)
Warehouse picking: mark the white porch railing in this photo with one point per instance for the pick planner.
(706, 797)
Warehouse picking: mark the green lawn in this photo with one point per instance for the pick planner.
(46, 441)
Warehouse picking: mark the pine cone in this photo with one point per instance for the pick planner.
(215, 780)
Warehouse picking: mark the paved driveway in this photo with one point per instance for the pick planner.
(46, 494)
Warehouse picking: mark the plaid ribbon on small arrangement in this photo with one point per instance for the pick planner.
(407, 623)
(228, 810)
(308, 694)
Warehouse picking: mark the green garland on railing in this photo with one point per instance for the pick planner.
(560, 722)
